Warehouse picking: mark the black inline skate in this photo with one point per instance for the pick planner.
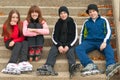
(73, 68)
(46, 70)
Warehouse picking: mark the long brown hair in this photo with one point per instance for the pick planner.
(7, 30)
(32, 9)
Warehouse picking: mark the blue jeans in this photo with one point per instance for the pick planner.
(85, 47)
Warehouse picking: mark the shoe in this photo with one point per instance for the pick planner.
(11, 68)
(31, 54)
(38, 53)
(46, 70)
(90, 69)
(25, 66)
(112, 69)
(73, 68)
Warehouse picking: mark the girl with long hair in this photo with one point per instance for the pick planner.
(15, 41)
(34, 28)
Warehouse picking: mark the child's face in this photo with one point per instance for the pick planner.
(14, 19)
(63, 15)
(93, 14)
(34, 15)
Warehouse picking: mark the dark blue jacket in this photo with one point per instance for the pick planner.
(98, 30)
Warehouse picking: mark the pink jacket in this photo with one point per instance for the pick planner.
(43, 31)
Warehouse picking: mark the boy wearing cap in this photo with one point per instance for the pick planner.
(64, 38)
(95, 35)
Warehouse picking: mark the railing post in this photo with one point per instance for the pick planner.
(116, 14)
(119, 11)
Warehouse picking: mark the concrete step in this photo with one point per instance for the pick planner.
(95, 55)
(61, 76)
(58, 65)
(52, 26)
(52, 19)
(51, 11)
(53, 3)
(48, 41)
(5, 53)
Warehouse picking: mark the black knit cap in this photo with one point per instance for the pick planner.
(63, 8)
(92, 7)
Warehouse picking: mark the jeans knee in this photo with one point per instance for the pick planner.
(79, 49)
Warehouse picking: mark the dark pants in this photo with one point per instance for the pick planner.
(19, 51)
(53, 53)
(35, 41)
(38, 40)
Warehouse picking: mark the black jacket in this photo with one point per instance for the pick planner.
(65, 33)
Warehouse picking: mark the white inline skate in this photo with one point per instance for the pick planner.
(90, 69)
(25, 67)
(11, 68)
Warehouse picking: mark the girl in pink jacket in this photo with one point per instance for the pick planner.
(34, 28)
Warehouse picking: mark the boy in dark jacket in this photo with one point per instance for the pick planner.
(95, 34)
(64, 38)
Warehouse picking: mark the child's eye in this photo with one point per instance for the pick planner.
(15, 17)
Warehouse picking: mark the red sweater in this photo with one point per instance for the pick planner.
(15, 34)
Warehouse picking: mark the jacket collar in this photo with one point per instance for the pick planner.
(90, 19)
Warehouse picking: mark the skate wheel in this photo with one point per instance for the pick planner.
(53, 74)
(48, 73)
(83, 75)
(5, 72)
(37, 73)
(42, 74)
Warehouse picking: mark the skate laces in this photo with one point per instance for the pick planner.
(90, 66)
(73, 67)
(43, 67)
(25, 64)
(49, 68)
(110, 67)
(11, 65)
